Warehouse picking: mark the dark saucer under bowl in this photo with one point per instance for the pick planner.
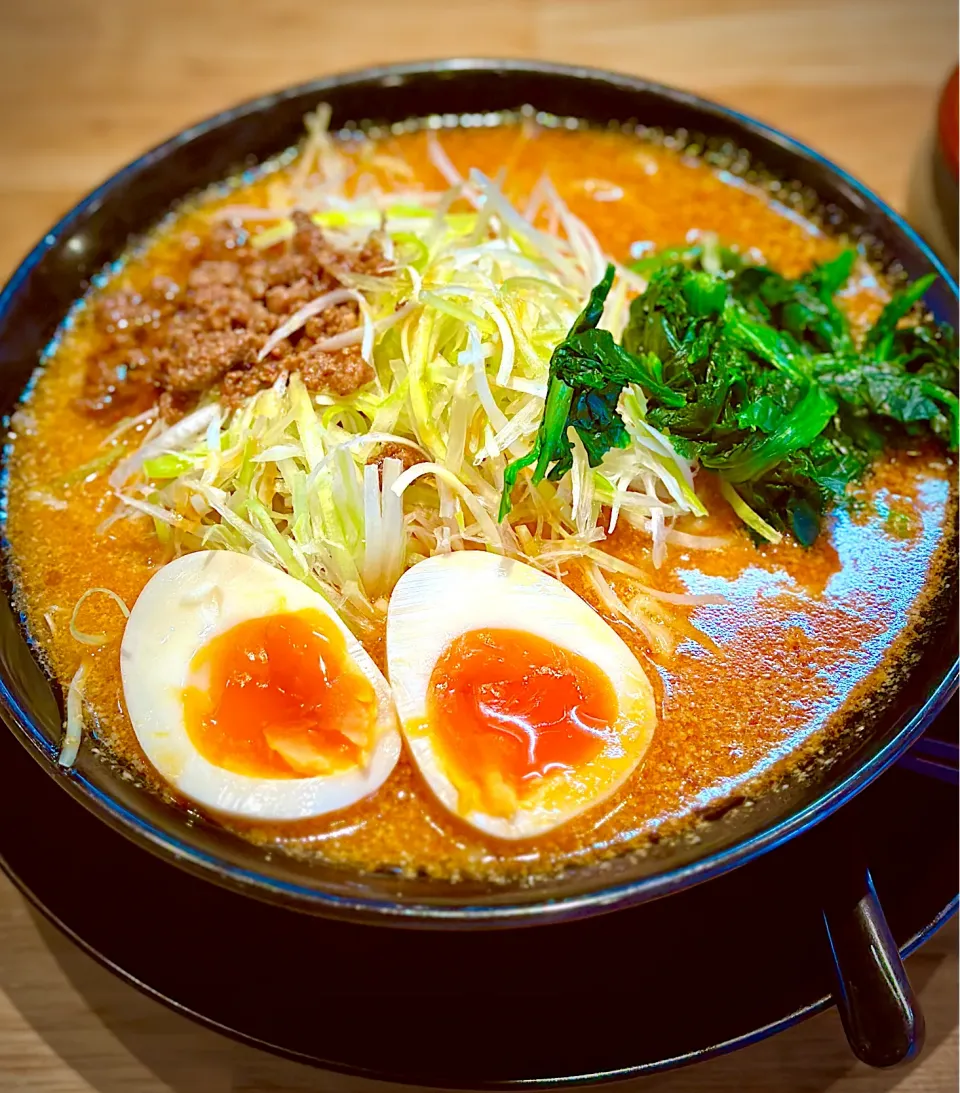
(675, 981)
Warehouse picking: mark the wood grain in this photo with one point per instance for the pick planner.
(87, 84)
(69, 1026)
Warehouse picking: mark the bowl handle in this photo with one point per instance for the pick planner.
(879, 1011)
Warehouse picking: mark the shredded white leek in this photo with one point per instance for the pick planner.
(747, 515)
(660, 638)
(301, 315)
(94, 639)
(73, 729)
(697, 542)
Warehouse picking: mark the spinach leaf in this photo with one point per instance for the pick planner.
(881, 337)
(756, 375)
(588, 371)
(804, 308)
(795, 430)
(778, 398)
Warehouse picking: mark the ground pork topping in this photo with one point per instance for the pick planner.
(172, 340)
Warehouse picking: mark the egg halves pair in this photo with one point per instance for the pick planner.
(520, 706)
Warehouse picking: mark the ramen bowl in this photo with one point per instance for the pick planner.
(100, 229)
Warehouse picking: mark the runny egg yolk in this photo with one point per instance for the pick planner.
(279, 697)
(507, 708)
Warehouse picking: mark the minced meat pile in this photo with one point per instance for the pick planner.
(169, 342)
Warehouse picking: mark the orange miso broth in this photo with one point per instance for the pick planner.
(803, 634)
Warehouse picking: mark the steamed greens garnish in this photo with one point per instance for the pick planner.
(779, 397)
(588, 372)
(755, 376)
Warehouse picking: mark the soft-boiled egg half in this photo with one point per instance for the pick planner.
(248, 693)
(520, 705)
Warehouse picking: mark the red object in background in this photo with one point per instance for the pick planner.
(948, 124)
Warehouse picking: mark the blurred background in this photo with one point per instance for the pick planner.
(86, 85)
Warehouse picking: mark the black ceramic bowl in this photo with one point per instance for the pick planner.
(100, 228)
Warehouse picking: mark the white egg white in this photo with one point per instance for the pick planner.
(437, 600)
(181, 608)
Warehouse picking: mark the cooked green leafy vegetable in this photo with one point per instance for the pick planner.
(757, 376)
(588, 372)
(778, 397)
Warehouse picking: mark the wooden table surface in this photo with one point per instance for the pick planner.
(87, 84)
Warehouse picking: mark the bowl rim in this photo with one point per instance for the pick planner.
(464, 914)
